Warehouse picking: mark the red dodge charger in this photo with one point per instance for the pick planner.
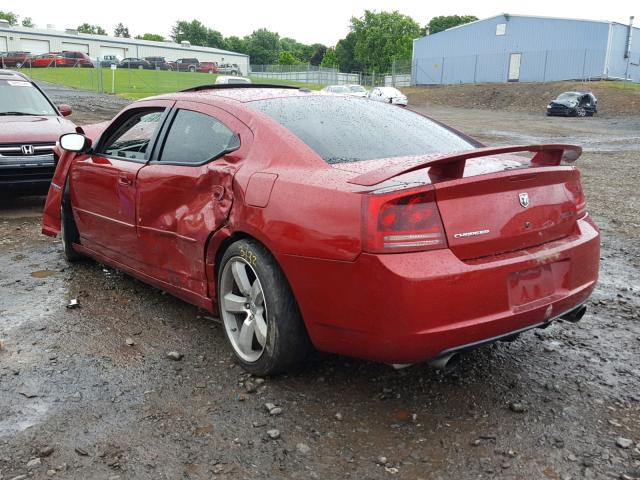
(328, 222)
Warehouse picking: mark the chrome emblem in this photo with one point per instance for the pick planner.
(27, 149)
(524, 199)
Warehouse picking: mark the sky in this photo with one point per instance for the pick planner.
(326, 21)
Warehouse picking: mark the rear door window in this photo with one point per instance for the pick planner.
(195, 138)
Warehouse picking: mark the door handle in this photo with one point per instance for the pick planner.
(124, 180)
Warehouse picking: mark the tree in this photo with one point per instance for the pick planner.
(329, 60)
(438, 24)
(10, 17)
(318, 53)
(27, 22)
(154, 37)
(381, 38)
(287, 58)
(263, 46)
(346, 54)
(91, 29)
(236, 44)
(196, 33)
(121, 31)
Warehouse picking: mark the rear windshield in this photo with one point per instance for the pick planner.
(347, 129)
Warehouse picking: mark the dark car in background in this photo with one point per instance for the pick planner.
(574, 104)
(159, 63)
(30, 125)
(14, 59)
(187, 65)
(139, 63)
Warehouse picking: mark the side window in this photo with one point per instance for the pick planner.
(132, 137)
(195, 138)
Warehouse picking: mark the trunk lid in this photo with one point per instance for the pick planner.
(498, 213)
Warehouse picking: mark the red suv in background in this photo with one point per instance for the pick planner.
(208, 67)
(30, 125)
(14, 59)
(76, 59)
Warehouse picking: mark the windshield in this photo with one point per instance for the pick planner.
(21, 97)
(347, 129)
(568, 96)
(357, 88)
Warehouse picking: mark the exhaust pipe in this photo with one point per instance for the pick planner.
(575, 315)
(445, 361)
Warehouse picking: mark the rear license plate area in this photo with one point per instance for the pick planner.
(534, 286)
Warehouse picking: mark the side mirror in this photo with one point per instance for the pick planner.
(74, 142)
(64, 109)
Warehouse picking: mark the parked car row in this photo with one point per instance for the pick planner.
(52, 59)
(179, 65)
(379, 94)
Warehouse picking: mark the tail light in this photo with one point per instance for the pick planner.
(405, 221)
(575, 187)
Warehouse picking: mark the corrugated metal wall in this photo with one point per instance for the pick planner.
(96, 46)
(619, 66)
(550, 49)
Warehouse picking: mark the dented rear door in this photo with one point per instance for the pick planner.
(185, 194)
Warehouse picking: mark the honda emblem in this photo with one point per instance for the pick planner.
(27, 149)
(524, 199)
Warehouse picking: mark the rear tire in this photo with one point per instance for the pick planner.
(68, 229)
(259, 313)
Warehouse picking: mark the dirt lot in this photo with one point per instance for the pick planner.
(90, 392)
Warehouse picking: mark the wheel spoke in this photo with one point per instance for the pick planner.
(256, 293)
(260, 329)
(240, 276)
(245, 338)
(234, 303)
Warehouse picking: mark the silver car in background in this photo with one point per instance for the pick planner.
(388, 95)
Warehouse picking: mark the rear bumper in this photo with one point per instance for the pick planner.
(408, 308)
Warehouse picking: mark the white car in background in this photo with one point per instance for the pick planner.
(388, 95)
(226, 80)
(357, 90)
(339, 89)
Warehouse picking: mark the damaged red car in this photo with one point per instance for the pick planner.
(328, 222)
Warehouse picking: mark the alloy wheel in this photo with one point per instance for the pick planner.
(243, 309)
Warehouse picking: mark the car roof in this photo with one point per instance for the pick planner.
(237, 92)
(11, 75)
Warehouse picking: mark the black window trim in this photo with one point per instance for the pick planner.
(152, 141)
(166, 128)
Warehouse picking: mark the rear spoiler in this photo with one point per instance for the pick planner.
(451, 165)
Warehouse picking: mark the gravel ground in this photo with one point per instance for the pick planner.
(91, 392)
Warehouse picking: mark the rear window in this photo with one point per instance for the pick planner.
(345, 129)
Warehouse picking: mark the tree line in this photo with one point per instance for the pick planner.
(374, 42)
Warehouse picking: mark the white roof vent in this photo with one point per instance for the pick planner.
(51, 26)
(71, 31)
(185, 43)
(3, 22)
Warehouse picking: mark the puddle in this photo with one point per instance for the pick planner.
(42, 273)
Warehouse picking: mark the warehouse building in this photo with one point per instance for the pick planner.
(38, 41)
(511, 48)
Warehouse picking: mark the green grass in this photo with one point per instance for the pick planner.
(136, 84)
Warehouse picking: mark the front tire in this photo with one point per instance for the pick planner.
(68, 229)
(581, 112)
(260, 315)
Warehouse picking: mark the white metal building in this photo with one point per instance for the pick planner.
(39, 41)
